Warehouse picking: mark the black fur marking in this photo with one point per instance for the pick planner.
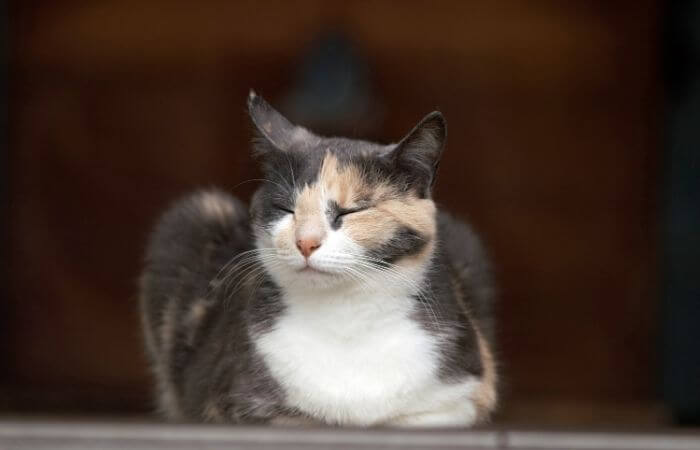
(405, 242)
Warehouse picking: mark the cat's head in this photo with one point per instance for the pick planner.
(337, 210)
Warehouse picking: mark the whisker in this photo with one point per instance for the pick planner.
(256, 179)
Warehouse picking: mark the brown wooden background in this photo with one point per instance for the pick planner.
(119, 106)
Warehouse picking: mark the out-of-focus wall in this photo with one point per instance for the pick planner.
(119, 107)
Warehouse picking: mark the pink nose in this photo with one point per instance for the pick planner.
(308, 245)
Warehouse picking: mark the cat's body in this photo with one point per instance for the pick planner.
(357, 303)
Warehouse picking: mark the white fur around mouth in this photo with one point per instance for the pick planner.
(311, 269)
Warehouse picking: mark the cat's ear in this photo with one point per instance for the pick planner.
(275, 131)
(418, 154)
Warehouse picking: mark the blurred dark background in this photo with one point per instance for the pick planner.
(558, 153)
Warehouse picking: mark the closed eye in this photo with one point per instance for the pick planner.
(336, 213)
(282, 208)
(345, 212)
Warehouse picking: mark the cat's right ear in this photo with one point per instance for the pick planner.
(274, 130)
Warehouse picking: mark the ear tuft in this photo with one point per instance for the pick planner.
(418, 154)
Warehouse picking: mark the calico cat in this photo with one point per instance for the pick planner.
(341, 297)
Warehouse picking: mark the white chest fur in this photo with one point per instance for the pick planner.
(359, 360)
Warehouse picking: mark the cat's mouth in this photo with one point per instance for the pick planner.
(310, 269)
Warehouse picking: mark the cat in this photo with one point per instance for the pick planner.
(342, 296)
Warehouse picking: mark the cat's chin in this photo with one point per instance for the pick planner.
(309, 276)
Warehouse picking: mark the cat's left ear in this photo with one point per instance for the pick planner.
(418, 154)
(272, 126)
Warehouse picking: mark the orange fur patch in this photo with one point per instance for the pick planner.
(485, 396)
(215, 206)
(309, 214)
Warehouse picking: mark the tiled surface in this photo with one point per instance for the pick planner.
(536, 440)
(22, 435)
(91, 435)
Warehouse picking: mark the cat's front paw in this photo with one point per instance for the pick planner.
(463, 415)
